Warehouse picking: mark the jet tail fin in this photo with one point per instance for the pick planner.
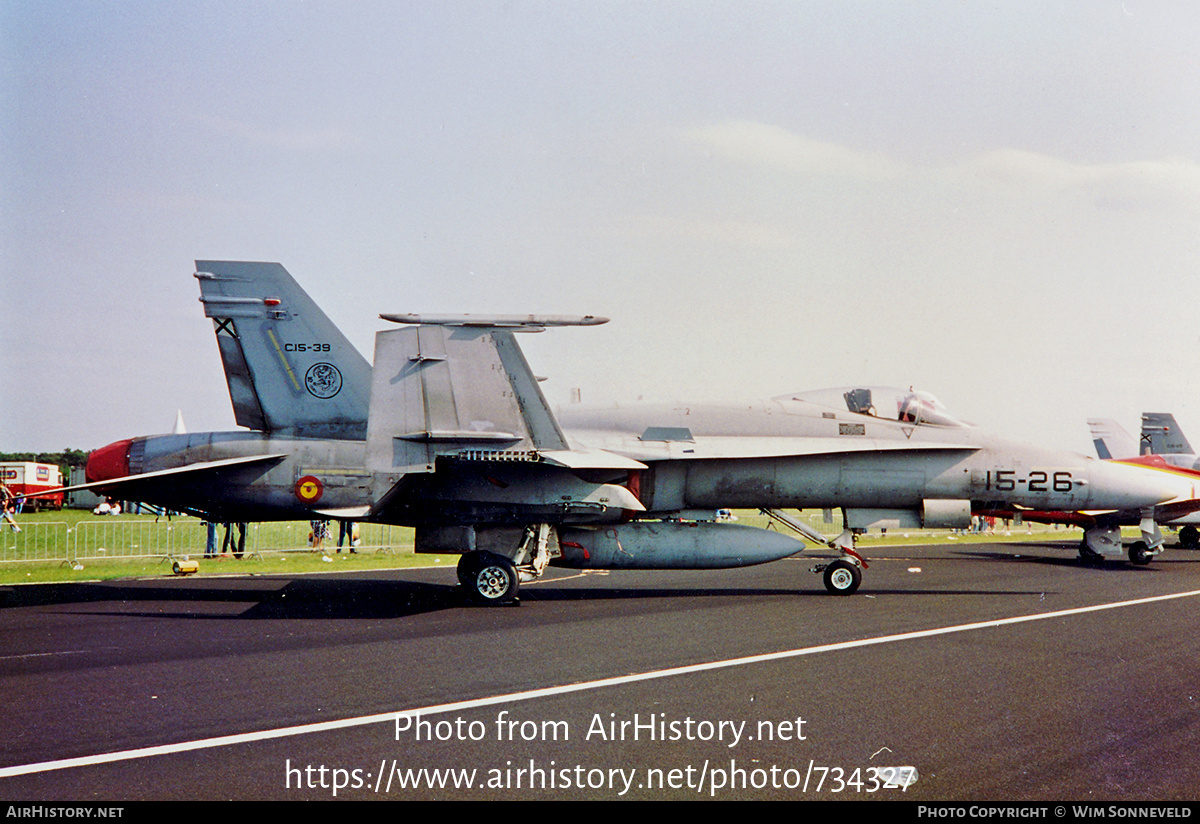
(1111, 440)
(290, 370)
(1161, 435)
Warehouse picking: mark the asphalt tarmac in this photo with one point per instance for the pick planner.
(999, 672)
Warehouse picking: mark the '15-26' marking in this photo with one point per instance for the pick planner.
(1039, 480)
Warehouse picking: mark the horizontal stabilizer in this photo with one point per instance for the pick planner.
(345, 513)
(459, 436)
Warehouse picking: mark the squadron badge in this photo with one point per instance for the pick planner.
(323, 380)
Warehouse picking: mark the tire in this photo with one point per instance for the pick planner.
(468, 564)
(494, 579)
(1139, 553)
(1090, 557)
(1189, 537)
(842, 578)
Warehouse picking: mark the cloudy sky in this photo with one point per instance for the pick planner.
(996, 202)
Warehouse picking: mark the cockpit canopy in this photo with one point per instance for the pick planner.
(885, 402)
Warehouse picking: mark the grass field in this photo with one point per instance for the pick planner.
(75, 545)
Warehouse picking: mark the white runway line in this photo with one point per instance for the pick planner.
(391, 717)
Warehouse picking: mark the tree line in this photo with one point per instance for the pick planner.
(66, 460)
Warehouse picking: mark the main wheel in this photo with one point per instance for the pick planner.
(1090, 557)
(1189, 537)
(494, 579)
(842, 578)
(468, 565)
(1139, 553)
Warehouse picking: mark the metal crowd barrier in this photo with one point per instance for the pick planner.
(118, 538)
(37, 541)
(125, 539)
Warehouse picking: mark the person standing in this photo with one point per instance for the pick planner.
(346, 533)
(238, 547)
(320, 531)
(7, 499)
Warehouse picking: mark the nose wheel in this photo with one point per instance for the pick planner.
(842, 577)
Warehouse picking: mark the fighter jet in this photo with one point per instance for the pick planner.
(448, 432)
(1163, 446)
(1102, 529)
(1161, 438)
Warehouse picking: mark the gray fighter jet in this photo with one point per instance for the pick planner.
(1161, 436)
(1162, 446)
(448, 432)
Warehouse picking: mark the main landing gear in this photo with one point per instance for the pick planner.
(1088, 556)
(1139, 553)
(492, 578)
(488, 578)
(1103, 543)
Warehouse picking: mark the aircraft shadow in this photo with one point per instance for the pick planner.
(302, 599)
(372, 599)
(1016, 558)
(595, 594)
(377, 599)
(1068, 558)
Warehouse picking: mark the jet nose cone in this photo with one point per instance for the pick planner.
(108, 462)
(1125, 486)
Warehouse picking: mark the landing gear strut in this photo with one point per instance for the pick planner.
(495, 577)
(842, 576)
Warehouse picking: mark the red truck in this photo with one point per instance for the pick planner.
(23, 478)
